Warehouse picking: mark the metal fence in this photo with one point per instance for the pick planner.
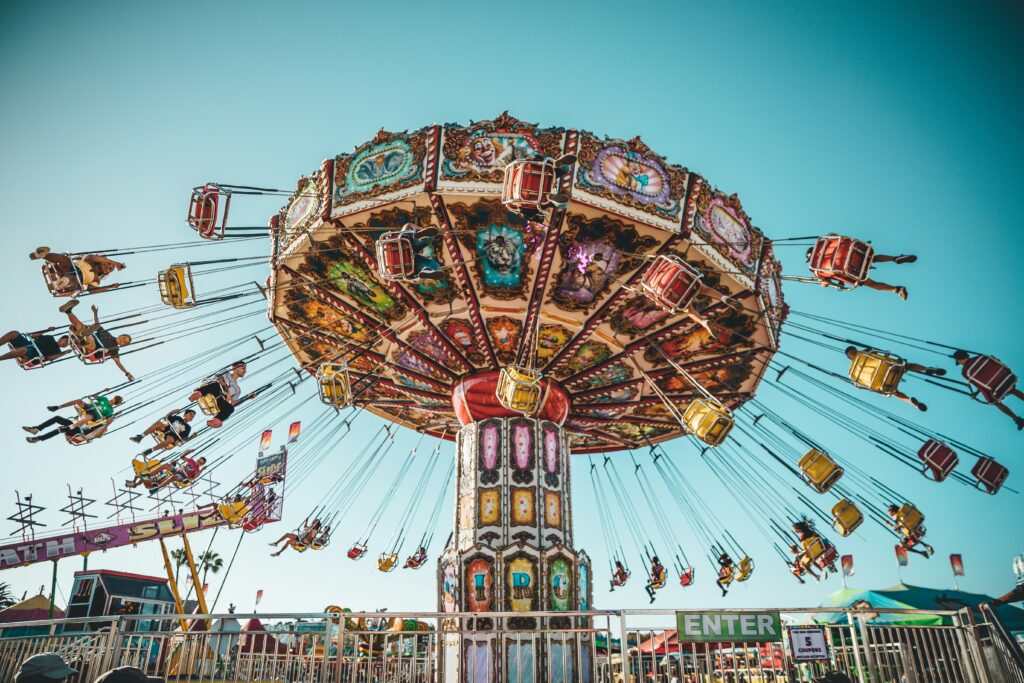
(631, 646)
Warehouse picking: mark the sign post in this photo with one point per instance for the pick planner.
(728, 627)
(808, 643)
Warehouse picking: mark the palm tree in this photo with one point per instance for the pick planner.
(6, 598)
(210, 562)
(180, 559)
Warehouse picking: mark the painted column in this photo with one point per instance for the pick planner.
(512, 549)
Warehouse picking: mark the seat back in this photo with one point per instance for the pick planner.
(671, 282)
(938, 458)
(745, 569)
(708, 420)
(909, 518)
(395, 257)
(841, 258)
(819, 470)
(846, 517)
(989, 475)
(877, 371)
(990, 375)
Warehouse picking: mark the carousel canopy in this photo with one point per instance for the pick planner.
(562, 296)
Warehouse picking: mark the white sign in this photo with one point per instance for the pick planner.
(808, 643)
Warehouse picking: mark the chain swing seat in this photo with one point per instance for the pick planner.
(62, 283)
(528, 184)
(989, 475)
(519, 389)
(819, 470)
(846, 517)
(671, 282)
(356, 551)
(207, 214)
(818, 552)
(386, 562)
(24, 362)
(145, 468)
(234, 512)
(877, 371)
(709, 420)
(939, 460)
(334, 384)
(744, 569)
(989, 377)
(101, 354)
(176, 287)
(841, 262)
(396, 260)
(909, 522)
(415, 561)
(93, 424)
(658, 581)
(687, 576)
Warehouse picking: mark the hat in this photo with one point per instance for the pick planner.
(47, 665)
(128, 674)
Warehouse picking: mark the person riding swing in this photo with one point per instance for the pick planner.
(726, 573)
(853, 354)
(181, 472)
(93, 413)
(67, 275)
(908, 523)
(991, 380)
(173, 429)
(220, 395)
(300, 541)
(35, 349)
(92, 343)
(416, 560)
(619, 576)
(657, 578)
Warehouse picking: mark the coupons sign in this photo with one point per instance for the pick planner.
(808, 643)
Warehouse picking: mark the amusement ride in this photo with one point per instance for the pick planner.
(543, 298)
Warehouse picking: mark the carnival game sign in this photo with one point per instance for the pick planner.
(79, 542)
(728, 627)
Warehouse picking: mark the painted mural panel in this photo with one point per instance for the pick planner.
(559, 584)
(449, 588)
(523, 451)
(481, 151)
(335, 265)
(595, 253)
(490, 507)
(721, 221)
(523, 507)
(479, 582)
(629, 173)
(490, 447)
(495, 240)
(389, 162)
(521, 570)
(552, 510)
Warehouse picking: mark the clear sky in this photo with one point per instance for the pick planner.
(896, 122)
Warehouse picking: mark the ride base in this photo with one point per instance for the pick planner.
(512, 552)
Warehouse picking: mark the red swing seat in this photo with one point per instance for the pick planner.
(356, 551)
(204, 211)
(990, 377)
(687, 576)
(841, 262)
(990, 475)
(528, 183)
(938, 458)
(395, 257)
(671, 282)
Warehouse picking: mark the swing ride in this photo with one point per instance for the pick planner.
(533, 294)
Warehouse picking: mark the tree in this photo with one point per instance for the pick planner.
(210, 562)
(180, 560)
(6, 597)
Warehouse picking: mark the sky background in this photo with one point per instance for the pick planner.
(895, 122)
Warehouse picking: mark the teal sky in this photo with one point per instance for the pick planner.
(899, 123)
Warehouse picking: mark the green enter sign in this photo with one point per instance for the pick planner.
(728, 627)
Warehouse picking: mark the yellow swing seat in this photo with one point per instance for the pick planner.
(81, 412)
(909, 520)
(746, 568)
(208, 404)
(814, 547)
(176, 287)
(877, 371)
(846, 517)
(708, 420)
(819, 470)
(334, 384)
(234, 512)
(386, 563)
(659, 580)
(519, 389)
